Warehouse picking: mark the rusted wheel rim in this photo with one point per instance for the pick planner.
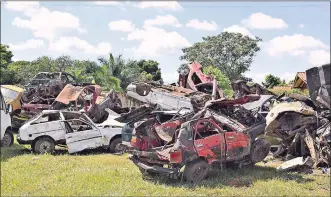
(6, 140)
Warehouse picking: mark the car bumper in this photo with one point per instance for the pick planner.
(20, 141)
(153, 168)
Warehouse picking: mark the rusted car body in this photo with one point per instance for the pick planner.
(184, 141)
(193, 78)
(77, 97)
(241, 88)
(45, 86)
(214, 140)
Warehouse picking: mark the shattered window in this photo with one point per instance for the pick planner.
(205, 129)
(79, 125)
(41, 119)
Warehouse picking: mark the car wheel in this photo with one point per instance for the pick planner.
(196, 171)
(116, 146)
(260, 150)
(44, 145)
(8, 139)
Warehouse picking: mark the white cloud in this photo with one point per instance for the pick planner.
(287, 76)
(169, 5)
(156, 41)
(114, 3)
(14, 59)
(294, 44)
(257, 77)
(29, 44)
(202, 25)
(41, 21)
(66, 44)
(170, 77)
(301, 26)
(121, 25)
(162, 20)
(298, 52)
(319, 57)
(239, 29)
(262, 21)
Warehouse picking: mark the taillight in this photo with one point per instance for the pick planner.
(176, 156)
(133, 141)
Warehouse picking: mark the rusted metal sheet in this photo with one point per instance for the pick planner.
(71, 92)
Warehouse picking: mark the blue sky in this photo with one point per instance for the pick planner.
(296, 35)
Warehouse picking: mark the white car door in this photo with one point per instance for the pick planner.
(5, 117)
(81, 135)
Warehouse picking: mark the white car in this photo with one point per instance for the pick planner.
(74, 129)
(7, 137)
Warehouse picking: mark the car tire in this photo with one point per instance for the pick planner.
(260, 150)
(44, 145)
(115, 146)
(8, 139)
(196, 171)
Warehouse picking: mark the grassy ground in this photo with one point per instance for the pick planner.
(26, 174)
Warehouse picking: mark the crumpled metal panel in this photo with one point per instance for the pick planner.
(299, 107)
(71, 93)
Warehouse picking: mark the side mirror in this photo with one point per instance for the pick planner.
(9, 108)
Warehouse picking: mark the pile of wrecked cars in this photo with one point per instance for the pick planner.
(304, 124)
(187, 144)
(181, 130)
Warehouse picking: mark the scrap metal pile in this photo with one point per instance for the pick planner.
(60, 91)
(189, 124)
(304, 125)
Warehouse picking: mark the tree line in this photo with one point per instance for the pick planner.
(110, 73)
(226, 56)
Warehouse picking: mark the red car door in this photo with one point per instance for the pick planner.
(237, 145)
(209, 140)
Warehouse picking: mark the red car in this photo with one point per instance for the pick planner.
(212, 140)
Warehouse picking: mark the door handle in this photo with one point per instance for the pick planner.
(230, 137)
(69, 137)
(199, 145)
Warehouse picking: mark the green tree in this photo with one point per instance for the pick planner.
(103, 77)
(150, 68)
(6, 55)
(223, 82)
(63, 63)
(232, 53)
(83, 71)
(21, 70)
(125, 71)
(6, 76)
(271, 81)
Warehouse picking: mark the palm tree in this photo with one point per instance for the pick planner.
(125, 71)
(103, 77)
